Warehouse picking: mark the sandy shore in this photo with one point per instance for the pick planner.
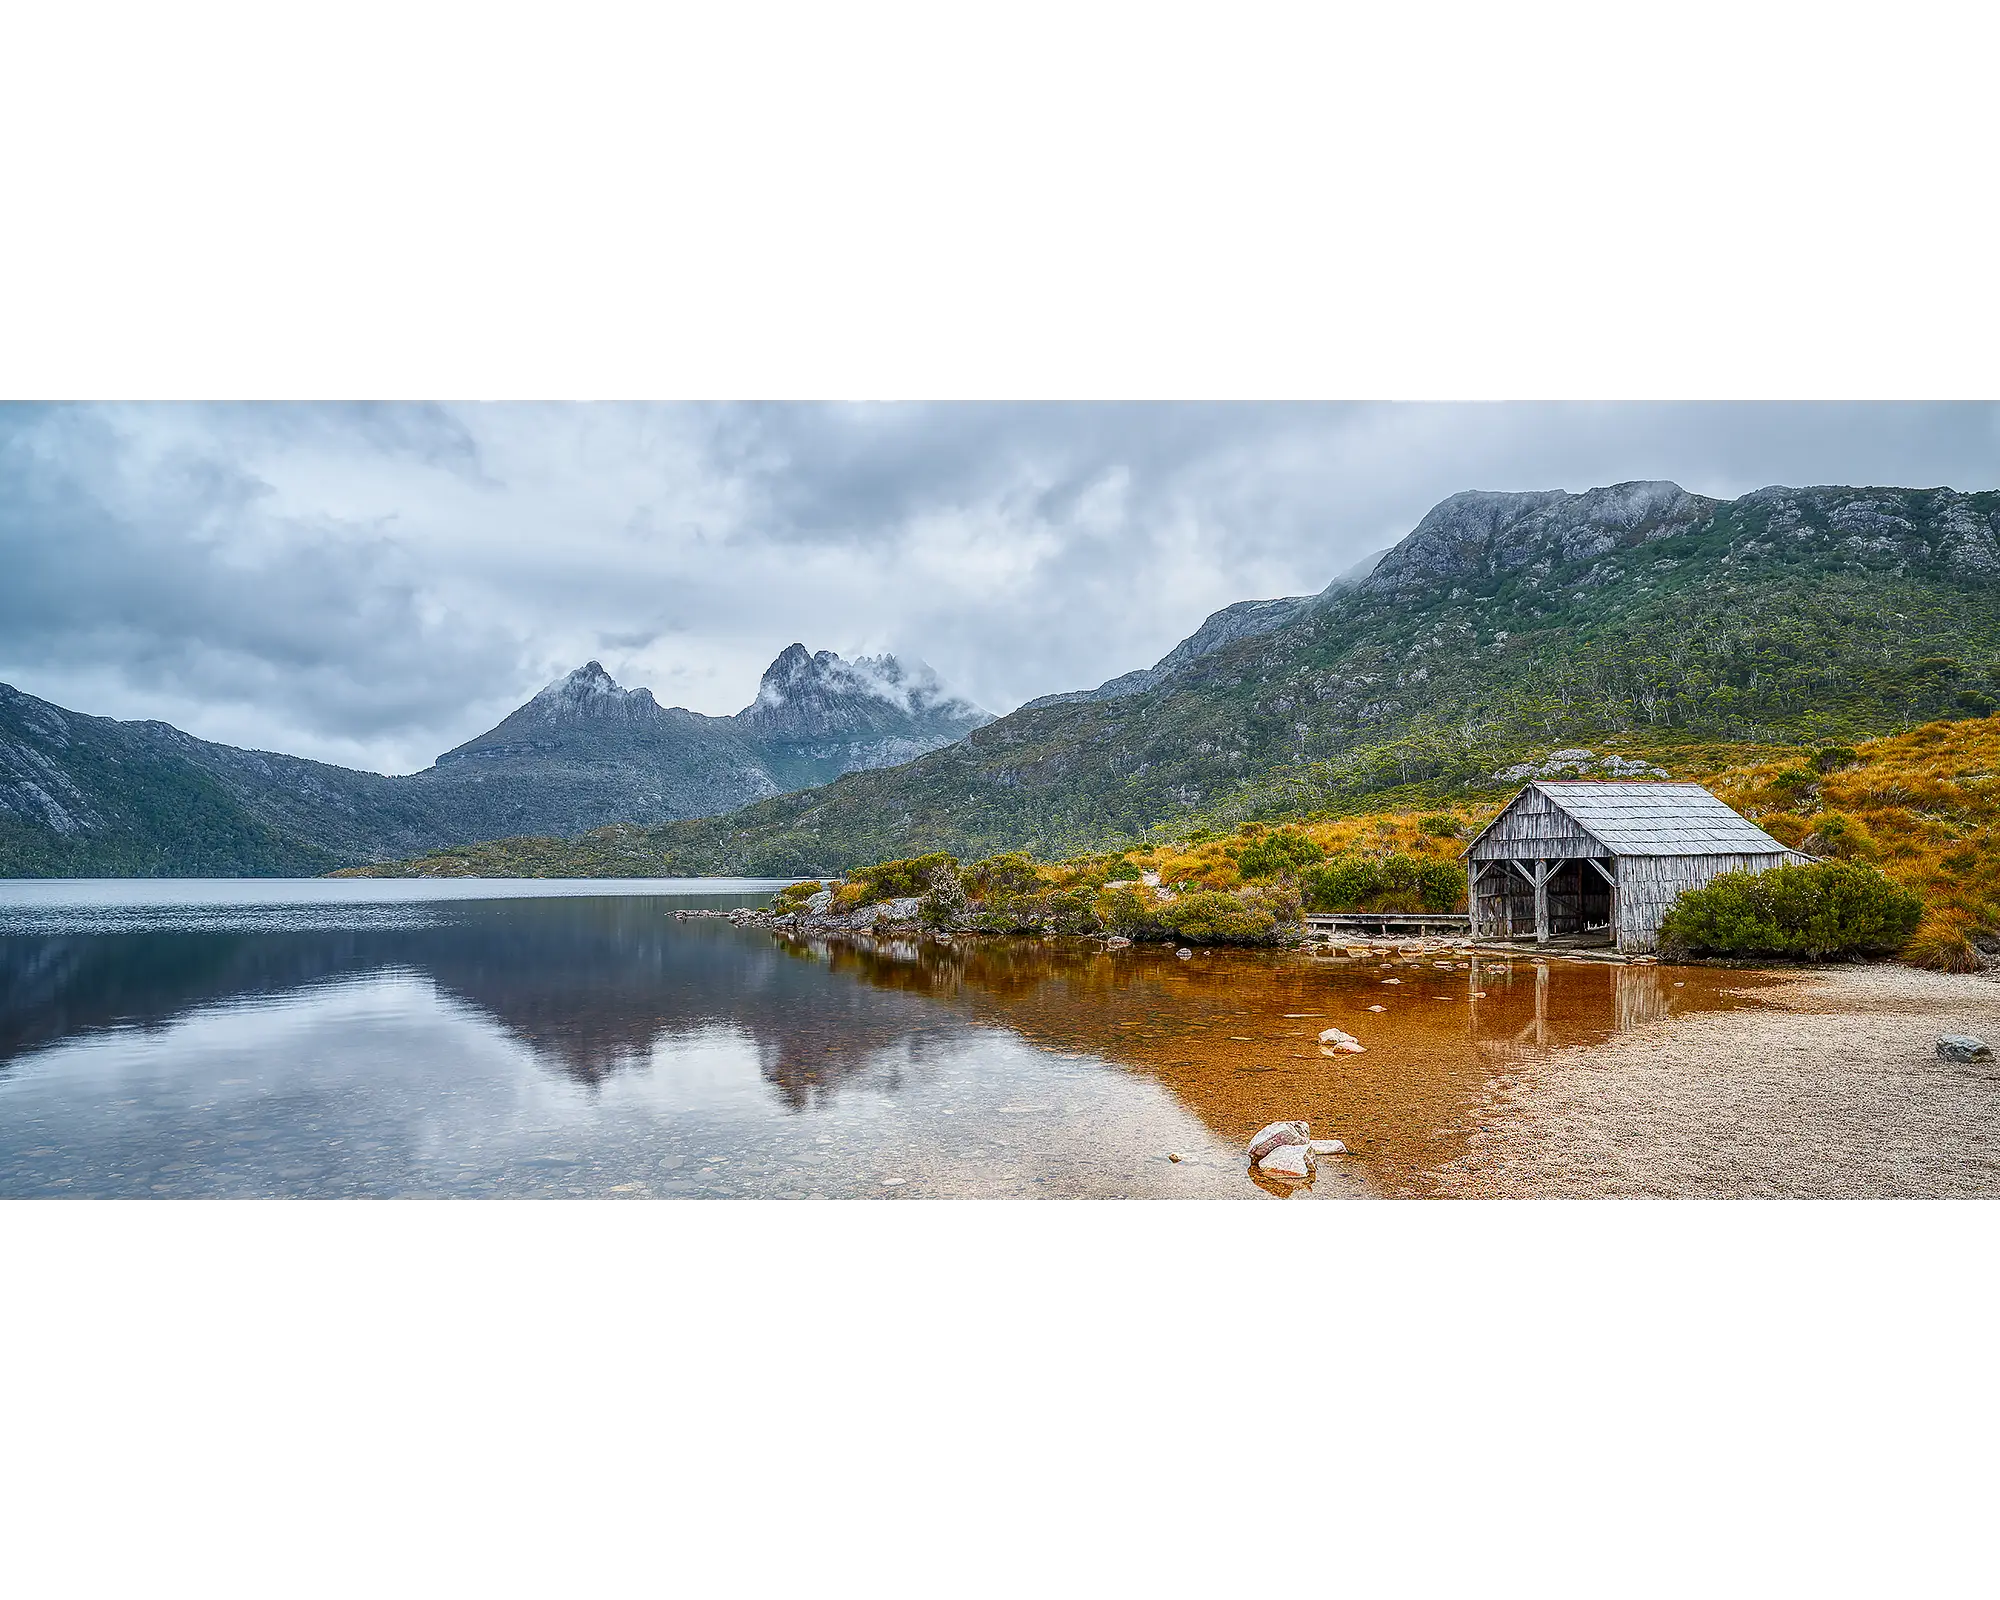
(1830, 1087)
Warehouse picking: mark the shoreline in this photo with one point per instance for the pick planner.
(1828, 1086)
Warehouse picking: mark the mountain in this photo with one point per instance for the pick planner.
(87, 796)
(82, 795)
(817, 716)
(1501, 626)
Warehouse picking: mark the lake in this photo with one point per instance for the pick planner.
(468, 1037)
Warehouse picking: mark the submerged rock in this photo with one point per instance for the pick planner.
(1291, 1163)
(1328, 1147)
(1185, 955)
(1963, 1047)
(1335, 1039)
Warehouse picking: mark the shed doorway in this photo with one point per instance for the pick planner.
(1579, 901)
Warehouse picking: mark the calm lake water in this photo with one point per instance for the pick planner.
(564, 1038)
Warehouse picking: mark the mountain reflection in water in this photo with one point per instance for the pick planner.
(598, 1044)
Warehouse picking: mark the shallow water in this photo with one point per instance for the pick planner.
(473, 1037)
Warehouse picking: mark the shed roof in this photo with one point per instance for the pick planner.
(1655, 819)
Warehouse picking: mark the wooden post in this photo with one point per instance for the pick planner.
(1542, 871)
(1472, 895)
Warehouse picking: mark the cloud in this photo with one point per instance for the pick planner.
(373, 584)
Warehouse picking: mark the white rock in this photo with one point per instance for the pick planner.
(1185, 955)
(1328, 1147)
(1276, 1135)
(1292, 1163)
(1341, 1041)
(1116, 942)
(819, 904)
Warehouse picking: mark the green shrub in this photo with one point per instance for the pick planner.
(793, 895)
(1121, 871)
(1834, 757)
(1210, 916)
(1817, 910)
(1277, 853)
(1071, 911)
(1793, 779)
(1132, 914)
(899, 880)
(1440, 825)
(1000, 876)
(1387, 883)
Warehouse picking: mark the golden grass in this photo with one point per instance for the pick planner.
(1923, 806)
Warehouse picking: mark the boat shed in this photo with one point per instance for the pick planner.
(1600, 863)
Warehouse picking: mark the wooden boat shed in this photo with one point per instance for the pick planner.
(1600, 863)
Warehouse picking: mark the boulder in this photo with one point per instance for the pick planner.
(1117, 942)
(821, 903)
(1185, 955)
(1962, 1047)
(1277, 1135)
(1291, 1163)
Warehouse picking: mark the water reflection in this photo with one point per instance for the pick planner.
(1235, 1035)
(596, 1044)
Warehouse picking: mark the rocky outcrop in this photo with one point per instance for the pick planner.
(1478, 536)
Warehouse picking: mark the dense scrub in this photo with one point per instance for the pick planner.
(1817, 910)
(1922, 807)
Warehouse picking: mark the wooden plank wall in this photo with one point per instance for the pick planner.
(1648, 885)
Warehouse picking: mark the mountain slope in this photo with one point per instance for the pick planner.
(84, 795)
(1502, 625)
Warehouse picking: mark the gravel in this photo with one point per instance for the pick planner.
(1831, 1088)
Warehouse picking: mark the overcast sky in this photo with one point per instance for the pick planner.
(373, 584)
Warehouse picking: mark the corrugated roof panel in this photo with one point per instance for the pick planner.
(1659, 819)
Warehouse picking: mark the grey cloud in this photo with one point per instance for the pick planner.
(376, 583)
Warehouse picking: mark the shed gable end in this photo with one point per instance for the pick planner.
(1532, 825)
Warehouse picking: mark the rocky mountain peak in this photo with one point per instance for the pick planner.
(818, 695)
(589, 691)
(1479, 534)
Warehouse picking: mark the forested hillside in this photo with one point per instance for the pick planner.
(1503, 626)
